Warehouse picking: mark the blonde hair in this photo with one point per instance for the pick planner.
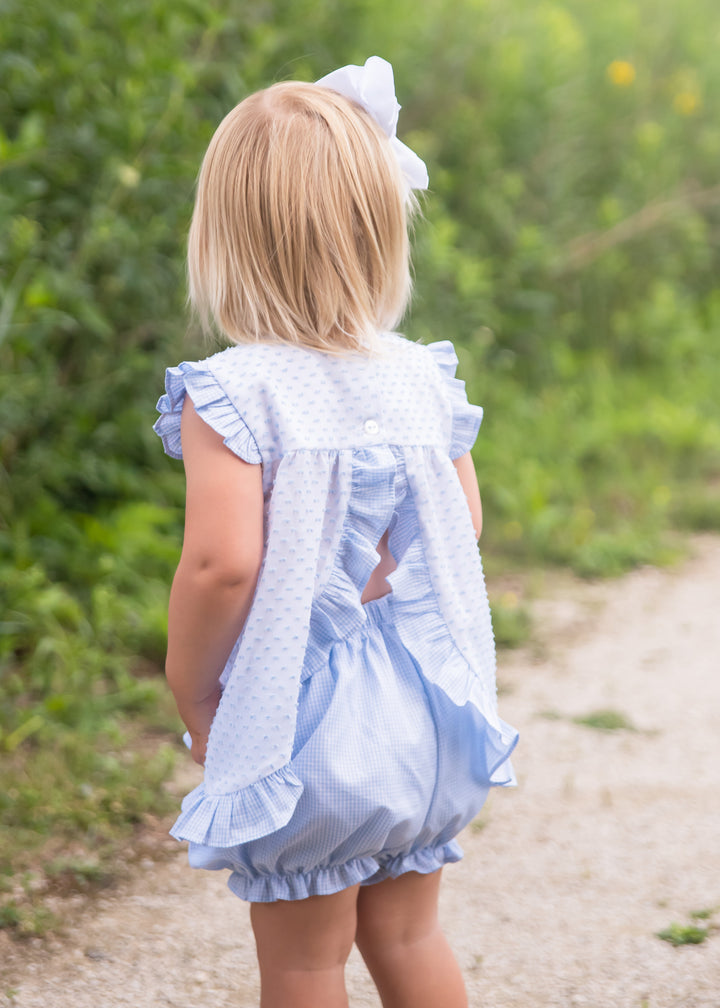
(299, 232)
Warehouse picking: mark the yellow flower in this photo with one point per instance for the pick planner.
(621, 73)
(686, 102)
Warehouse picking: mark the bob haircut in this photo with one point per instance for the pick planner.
(299, 232)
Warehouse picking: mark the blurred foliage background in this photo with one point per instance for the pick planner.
(569, 248)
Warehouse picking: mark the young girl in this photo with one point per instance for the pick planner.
(330, 647)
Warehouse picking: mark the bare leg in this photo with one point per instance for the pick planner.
(302, 948)
(400, 939)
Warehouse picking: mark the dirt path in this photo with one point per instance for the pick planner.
(610, 837)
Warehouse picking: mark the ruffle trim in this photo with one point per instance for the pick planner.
(324, 881)
(424, 634)
(211, 404)
(337, 611)
(300, 885)
(424, 861)
(466, 417)
(227, 820)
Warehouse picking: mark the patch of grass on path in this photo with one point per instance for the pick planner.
(678, 934)
(683, 934)
(605, 720)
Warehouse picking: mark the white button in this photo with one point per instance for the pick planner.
(371, 426)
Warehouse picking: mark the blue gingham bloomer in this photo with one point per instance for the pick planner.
(353, 741)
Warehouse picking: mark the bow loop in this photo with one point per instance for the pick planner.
(373, 87)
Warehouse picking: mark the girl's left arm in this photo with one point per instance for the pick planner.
(215, 581)
(468, 480)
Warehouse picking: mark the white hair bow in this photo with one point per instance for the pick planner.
(373, 87)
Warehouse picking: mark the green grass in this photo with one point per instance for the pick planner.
(621, 462)
(605, 720)
(29, 918)
(678, 934)
(683, 934)
(74, 805)
(705, 914)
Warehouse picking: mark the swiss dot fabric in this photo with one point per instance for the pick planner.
(352, 742)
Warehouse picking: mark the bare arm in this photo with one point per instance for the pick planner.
(215, 581)
(468, 480)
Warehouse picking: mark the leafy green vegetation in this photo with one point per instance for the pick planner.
(704, 914)
(570, 249)
(683, 934)
(691, 934)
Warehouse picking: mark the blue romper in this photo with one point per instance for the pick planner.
(352, 741)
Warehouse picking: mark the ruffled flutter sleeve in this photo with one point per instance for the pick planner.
(212, 405)
(466, 417)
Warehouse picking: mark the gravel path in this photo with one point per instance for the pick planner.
(610, 837)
